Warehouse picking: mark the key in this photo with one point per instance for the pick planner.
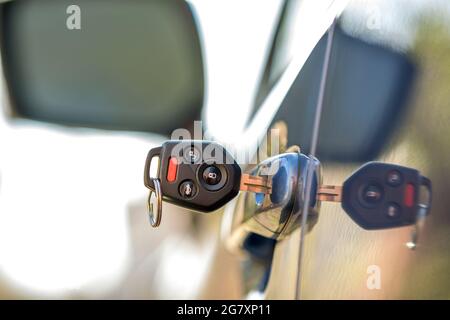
(380, 196)
(200, 175)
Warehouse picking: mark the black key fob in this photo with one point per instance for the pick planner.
(197, 175)
(380, 195)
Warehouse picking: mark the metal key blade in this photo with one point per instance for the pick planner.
(257, 184)
(330, 193)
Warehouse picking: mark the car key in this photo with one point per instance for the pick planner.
(380, 196)
(199, 175)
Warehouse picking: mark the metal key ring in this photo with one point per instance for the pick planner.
(155, 217)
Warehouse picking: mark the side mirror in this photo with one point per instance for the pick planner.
(127, 65)
(366, 96)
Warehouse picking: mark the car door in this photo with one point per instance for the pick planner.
(340, 260)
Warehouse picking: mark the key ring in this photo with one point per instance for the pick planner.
(155, 218)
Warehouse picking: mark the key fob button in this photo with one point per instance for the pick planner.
(187, 189)
(192, 154)
(371, 195)
(211, 175)
(393, 210)
(394, 178)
